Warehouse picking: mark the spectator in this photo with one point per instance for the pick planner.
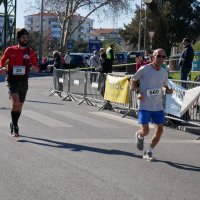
(67, 60)
(94, 62)
(140, 61)
(57, 61)
(148, 55)
(110, 53)
(102, 50)
(185, 61)
(105, 68)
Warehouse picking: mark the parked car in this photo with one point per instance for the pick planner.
(43, 66)
(79, 60)
(120, 58)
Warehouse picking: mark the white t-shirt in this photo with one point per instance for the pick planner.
(151, 82)
(67, 59)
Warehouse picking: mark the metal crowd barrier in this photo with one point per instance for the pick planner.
(73, 84)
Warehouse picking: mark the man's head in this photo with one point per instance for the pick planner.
(159, 56)
(186, 42)
(112, 45)
(95, 53)
(22, 37)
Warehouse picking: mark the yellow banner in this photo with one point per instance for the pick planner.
(117, 89)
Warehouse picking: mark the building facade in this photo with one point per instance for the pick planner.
(51, 25)
(104, 34)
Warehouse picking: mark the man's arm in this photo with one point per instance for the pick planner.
(35, 65)
(166, 89)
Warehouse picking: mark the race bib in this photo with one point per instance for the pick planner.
(18, 70)
(153, 92)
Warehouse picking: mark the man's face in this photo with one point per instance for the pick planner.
(159, 57)
(185, 44)
(23, 40)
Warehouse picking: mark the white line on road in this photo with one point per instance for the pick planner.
(44, 119)
(84, 119)
(4, 122)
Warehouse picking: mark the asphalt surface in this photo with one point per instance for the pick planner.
(76, 152)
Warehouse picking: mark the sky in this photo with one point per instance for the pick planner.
(22, 11)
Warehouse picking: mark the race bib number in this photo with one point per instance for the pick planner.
(18, 70)
(153, 92)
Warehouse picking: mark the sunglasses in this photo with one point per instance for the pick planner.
(160, 56)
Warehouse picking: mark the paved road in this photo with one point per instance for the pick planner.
(75, 152)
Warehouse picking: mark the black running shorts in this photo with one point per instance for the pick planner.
(19, 87)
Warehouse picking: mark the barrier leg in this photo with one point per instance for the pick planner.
(129, 111)
(68, 97)
(87, 101)
(107, 106)
(56, 92)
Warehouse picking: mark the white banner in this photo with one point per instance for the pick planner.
(181, 99)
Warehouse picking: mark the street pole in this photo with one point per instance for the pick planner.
(140, 21)
(41, 31)
(146, 2)
(145, 26)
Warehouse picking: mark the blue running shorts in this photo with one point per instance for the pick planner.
(156, 117)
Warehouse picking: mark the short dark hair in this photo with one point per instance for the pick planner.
(186, 40)
(22, 32)
(103, 55)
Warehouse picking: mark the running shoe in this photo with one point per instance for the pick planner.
(16, 131)
(148, 156)
(139, 141)
(11, 128)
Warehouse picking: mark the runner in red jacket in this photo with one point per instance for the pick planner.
(16, 62)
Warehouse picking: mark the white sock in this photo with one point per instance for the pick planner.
(139, 136)
(149, 149)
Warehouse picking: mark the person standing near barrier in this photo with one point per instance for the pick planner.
(67, 60)
(19, 59)
(104, 69)
(57, 61)
(153, 83)
(94, 62)
(110, 53)
(139, 59)
(185, 61)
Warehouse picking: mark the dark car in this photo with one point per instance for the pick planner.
(79, 60)
(43, 66)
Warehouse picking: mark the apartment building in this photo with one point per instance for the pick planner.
(51, 25)
(103, 34)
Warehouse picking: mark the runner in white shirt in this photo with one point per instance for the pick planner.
(153, 83)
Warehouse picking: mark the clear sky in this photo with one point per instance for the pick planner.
(22, 11)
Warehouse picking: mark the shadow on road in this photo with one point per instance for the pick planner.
(181, 165)
(77, 147)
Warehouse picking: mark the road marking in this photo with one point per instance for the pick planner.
(44, 119)
(4, 122)
(116, 118)
(85, 119)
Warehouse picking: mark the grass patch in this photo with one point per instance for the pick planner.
(177, 75)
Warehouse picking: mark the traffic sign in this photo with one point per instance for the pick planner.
(50, 37)
(151, 34)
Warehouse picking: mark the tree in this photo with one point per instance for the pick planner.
(172, 20)
(65, 9)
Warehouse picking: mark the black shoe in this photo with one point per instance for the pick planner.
(11, 128)
(16, 131)
(139, 141)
